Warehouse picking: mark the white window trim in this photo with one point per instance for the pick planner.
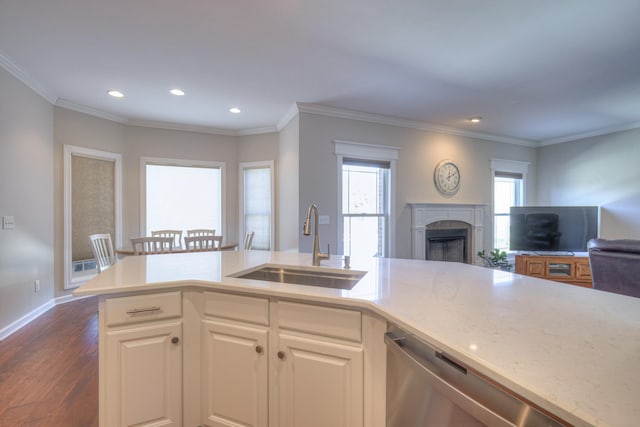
(510, 166)
(364, 151)
(68, 151)
(144, 161)
(255, 165)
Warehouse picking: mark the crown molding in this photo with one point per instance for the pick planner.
(412, 124)
(63, 103)
(584, 135)
(201, 129)
(257, 131)
(69, 105)
(27, 79)
(182, 127)
(288, 116)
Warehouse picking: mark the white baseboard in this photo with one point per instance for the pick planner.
(29, 317)
(69, 298)
(26, 319)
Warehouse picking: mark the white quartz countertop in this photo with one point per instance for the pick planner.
(570, 350)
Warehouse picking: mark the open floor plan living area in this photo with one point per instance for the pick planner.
(318, 214)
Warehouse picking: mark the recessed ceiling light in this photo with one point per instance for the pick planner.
(115, 93)
(234, 110)
(475, 119)
(177, 92)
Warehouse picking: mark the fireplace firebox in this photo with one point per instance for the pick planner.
(447, 245)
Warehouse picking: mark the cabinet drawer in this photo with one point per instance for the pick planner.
(237, 307)
(142, 308)
(327, 321)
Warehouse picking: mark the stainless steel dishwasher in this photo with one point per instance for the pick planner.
(427, 387)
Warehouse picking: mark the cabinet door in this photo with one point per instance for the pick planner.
(143, 374)
(320, 383)
(535, 267)
(235, 374)
(583, 270)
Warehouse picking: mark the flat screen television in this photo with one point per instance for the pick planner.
(552, 228)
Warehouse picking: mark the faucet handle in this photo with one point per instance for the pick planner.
(325, 255)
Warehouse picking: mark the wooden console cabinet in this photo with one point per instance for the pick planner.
(574, 270)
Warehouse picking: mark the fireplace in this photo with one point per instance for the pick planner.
(439, 216)
(447, 245)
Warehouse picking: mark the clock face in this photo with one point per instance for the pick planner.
(447, 177)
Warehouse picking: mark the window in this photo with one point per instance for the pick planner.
(92, 204)
(256, 202)
(366, 199)
(508, 191)
(182, 195)
(365, 207)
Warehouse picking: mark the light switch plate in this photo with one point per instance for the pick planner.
(8, 222)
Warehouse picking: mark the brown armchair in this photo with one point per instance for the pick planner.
(615, 265)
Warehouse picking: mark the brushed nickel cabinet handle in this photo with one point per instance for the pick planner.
(147, 310)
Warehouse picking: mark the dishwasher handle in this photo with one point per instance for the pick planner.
(458, 397)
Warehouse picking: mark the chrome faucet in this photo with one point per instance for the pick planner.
(317, 255)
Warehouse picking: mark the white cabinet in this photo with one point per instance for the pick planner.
(319, 366)
(244, 361)
(320, 383)
(141, 362)
(235, 353)
(280, 363)
(235, 374)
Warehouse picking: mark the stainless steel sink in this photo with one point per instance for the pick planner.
(327, 278)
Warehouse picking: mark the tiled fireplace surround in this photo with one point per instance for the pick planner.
(423, 214)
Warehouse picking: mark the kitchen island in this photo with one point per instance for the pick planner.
(572, 352)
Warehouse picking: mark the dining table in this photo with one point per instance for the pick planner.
(128, 250)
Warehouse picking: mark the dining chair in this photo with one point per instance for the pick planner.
(201, 232)
(152, 245)
(248, 240)
(102, 251)
(176, 234)
(202, 243)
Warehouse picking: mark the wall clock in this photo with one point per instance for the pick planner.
(447, 177)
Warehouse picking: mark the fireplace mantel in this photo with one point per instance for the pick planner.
(423, 214)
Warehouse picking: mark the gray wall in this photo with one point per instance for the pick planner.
(602, 171)
(26, 192)
(288, 186)
(419, 153)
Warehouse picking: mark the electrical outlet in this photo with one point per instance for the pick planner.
(36, 286)
(8, 222)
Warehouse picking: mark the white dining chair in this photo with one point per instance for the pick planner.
(152, 245)
(201, 232)
(102, 251)
(248, 240)
(202, 243)
(176, 234)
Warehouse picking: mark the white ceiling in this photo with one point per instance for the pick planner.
(534, 70)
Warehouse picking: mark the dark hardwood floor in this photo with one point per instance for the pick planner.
(49, 369)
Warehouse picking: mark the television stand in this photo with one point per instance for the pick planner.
(571, 269)
(554, 253)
